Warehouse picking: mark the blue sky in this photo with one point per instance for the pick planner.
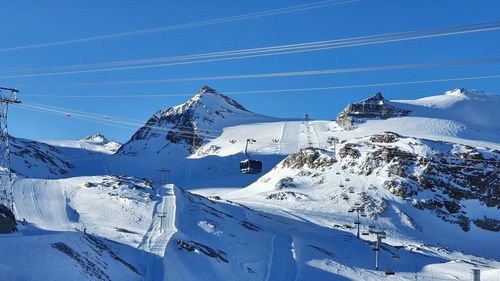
(39, 21)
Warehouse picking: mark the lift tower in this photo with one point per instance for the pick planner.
(7, 96)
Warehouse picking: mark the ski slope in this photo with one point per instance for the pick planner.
(213, 223)
(161, 230)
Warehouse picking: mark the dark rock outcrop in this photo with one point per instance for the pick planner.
(448, 174)
(312, 158)
(374, 107)
(7, 220)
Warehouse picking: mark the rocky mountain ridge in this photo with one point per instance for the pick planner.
(190, 124)
(374, 107)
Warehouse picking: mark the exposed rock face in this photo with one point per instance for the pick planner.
(189, 123)
(7, 220)
(312, 158)
(27, 155)
(440, 180)
(286, 195)
(373, 107)
(100, 138)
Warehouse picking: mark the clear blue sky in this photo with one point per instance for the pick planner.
(39, 21)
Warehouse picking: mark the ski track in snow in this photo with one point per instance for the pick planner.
(45, 207)
(157, 237)
(282, 134)
(281, 263)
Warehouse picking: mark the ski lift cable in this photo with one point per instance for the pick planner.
(335, 71)
(265, 51)
(212, 136)
(290, 90)
(99, 117)
(269, 75)
(120, 120)
(247, 16)
(133, 122)
(129, 125)
(280, 47)
(135, 126)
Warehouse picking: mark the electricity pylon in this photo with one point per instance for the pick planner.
(7, 96)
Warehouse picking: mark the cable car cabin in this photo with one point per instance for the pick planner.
(250, 166)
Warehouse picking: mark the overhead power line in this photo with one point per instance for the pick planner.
(248, 16)
(298, 73)
(252, 53)
(285, 91)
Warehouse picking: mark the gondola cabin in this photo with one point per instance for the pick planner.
(250, 166)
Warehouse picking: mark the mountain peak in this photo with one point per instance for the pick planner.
(375, 99)
(209, 98)
(191, 123)
(207, 89)
(96, 138)
(374, 107)
(466, 93)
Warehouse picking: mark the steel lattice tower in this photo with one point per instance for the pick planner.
(7, 96)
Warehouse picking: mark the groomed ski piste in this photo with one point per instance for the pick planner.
(102, 214)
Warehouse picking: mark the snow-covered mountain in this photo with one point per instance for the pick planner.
(36, 159)
(202, 117)
(456, 114)
(403, 184)
(425, 173)
(374, 107)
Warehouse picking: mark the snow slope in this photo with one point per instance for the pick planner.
(226, 240)
(189, 124)
(472, 114)
(289, 223)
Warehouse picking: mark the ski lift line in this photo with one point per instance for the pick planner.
(107, 122)
(162, 130)
(247, 16)
(176, 58)
(290, 90)
(99, 116)
(122, 123)
(281, 75)
(130, 125)
(132, 122)
(105, 116)
(275, 50)
(134, 125)
(331, 71)
(198, 61)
